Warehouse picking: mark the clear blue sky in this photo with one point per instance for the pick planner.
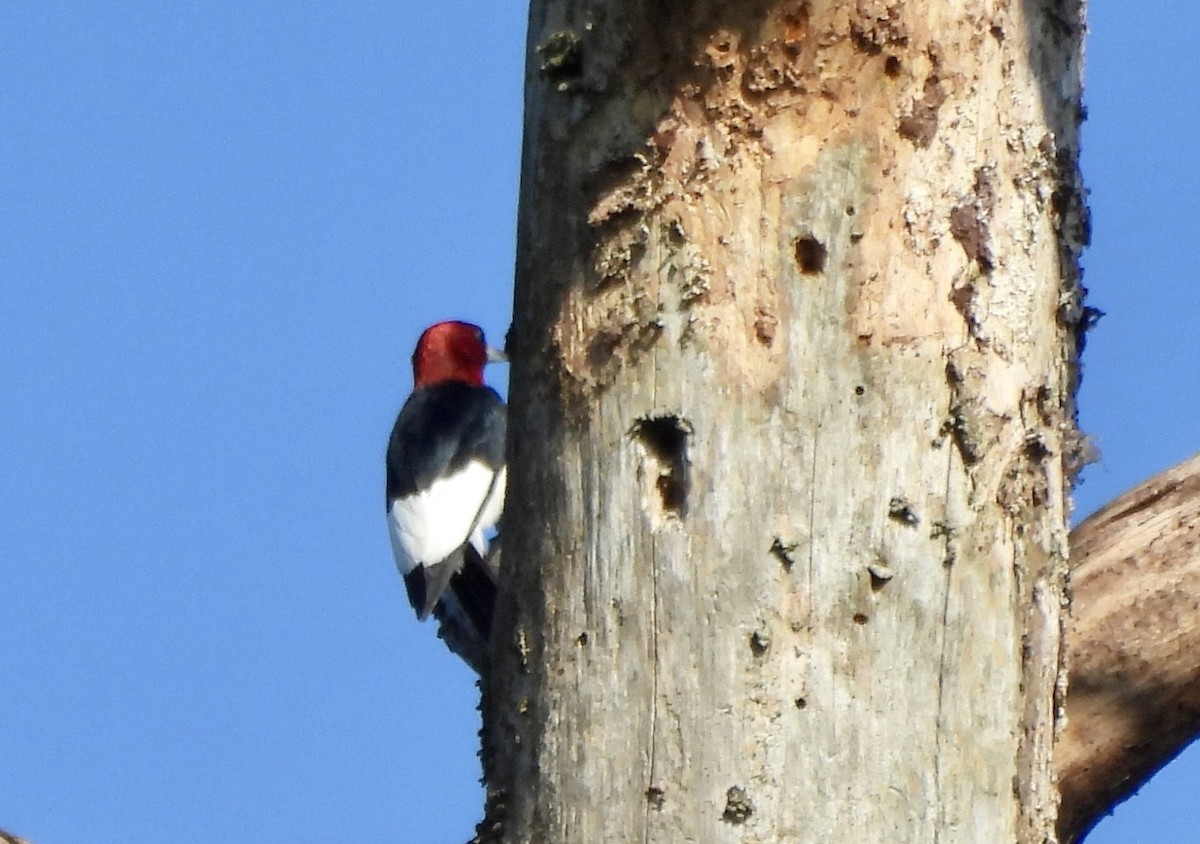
(222, 226)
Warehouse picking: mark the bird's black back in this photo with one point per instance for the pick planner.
(441, 429)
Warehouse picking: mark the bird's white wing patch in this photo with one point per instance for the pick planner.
(427, 526)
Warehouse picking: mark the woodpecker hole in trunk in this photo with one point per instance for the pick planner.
(810, 255)
(737, 806)
(665, 466)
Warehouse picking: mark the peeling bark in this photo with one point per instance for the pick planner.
(1133, 645)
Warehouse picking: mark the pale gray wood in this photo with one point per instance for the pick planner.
(834, 245)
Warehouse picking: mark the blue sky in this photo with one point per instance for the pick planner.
(222, 226)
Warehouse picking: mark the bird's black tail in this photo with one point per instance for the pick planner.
(425, 584)
(473, 590)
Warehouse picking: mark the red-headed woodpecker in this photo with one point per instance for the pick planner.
(445, 485)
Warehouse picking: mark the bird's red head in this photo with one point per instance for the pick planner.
(450, 351)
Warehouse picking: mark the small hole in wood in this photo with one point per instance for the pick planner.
(899, 510)
(860, 618)
(810, 255)
(737, 806)
(785, 552)
(760, 642)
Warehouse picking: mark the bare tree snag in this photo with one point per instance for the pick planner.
(792, 422)
(1133, 646)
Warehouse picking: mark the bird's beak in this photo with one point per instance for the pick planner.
(496, 356)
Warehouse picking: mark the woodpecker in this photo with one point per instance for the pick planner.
(445, 486)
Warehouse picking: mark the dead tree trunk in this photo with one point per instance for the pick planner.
(792, 422)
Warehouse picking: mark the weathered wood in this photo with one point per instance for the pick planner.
(792, 415)
(1133, 645)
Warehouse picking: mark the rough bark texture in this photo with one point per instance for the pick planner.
(792, 416)
(1133, 646)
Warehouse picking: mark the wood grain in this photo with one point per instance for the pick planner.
(1133, 646)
